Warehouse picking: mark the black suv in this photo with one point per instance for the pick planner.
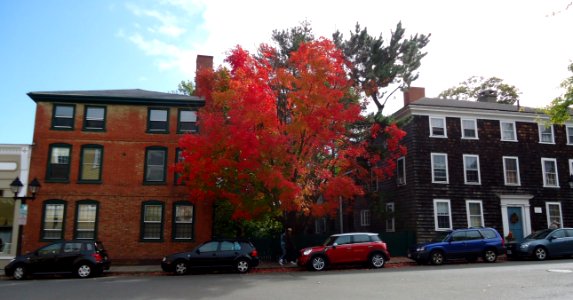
(78, 257)
(238, 255)
(469, 243)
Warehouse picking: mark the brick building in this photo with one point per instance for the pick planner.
(472, 164)
(103, 159)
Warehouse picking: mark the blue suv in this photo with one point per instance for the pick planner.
(469, 243)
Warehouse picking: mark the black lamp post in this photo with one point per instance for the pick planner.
(16, 186)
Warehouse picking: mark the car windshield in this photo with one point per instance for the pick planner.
(541, 234)
(329, 241)
(440, 236)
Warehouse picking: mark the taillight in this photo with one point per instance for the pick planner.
(97, 257)
(254, 253)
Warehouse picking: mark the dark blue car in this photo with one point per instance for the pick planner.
(543, 244)
(469, 243)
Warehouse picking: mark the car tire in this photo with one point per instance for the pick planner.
(377, 260)
(437, 257)
(181, 267)
(84, 270)
(242, 266)
(540, 253)
(20, 272)
(318, 263)
(490, 256)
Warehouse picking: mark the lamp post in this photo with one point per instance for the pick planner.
(16, 186)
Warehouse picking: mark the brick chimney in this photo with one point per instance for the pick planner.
(413, 94)
(204, 61)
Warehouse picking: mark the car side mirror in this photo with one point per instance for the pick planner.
(198, 251)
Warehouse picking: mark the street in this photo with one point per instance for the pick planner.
(504, 280)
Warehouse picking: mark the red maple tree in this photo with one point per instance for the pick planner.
(304, 159)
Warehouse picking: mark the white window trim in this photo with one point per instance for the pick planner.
(432, 168)
(543, 160)
(436, 201)
(403, 182)
(569, 141)
(365, 217)
(468, 202)
(514, 131)
(549, 221)
(392, 219)
(478, 170)
(445, 127)
(539, 128)
(474, 121)
(505, 171)
(570, 167)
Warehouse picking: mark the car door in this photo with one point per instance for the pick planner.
(475, 243)
(227, 253)
(568, 248)
(557, 242)
(44, 259)
(361, 247)
(341, 250)
(205, 255)
(69, 255)
(456, 246)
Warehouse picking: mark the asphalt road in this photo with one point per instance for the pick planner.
(505, 280)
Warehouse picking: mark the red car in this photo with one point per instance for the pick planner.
(346, 248)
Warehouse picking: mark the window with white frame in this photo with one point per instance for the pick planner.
(401, 171)
(549, 168)
(438, 127)
(442, 214)
(365, 217)
(511, 170)
(439, 168)
(569, 130)
(471, 169)
(508, 131)
(469, 129)
(546, 134)
(390, 220)
(554, 215)
(475, 213)
(570, 167)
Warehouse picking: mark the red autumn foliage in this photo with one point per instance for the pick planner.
(260, 162)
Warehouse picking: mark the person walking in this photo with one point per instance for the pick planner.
(287, 248)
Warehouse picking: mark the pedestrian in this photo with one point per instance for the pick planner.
(287, 248)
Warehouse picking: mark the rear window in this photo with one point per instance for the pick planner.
(488, 233)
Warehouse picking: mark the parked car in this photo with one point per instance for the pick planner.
(346, 248)
(79, 257)
(543, 244)
(469, 243)
(238, 255)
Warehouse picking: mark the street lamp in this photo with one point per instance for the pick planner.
(16, 186)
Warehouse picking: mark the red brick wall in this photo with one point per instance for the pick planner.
(122, 192)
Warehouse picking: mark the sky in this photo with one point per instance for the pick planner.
(152, 44)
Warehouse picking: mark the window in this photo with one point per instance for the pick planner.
(90, 164)
(72, 247)
(365, 217)
(442, 215)
(554, 214)
(183, 222)
(50, 250)
(438, 127)
(390, 220)
(508, 131)
(54, 213)
(158, 120)
(570, 169)
(439, 168)
(155, 164)
(569, 130)
(152, 221)
(469, 129)
(86, 220)
(59, 162)
(63, 116)
(401, 171)
(471, 169)
(360, 238)
(511, 170)
(320, 225)
(549, 167)
(474, 211)
(187, 121)
(209, 247)
(546, 134)
(94, 118)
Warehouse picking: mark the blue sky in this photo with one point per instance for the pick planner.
(89, 45)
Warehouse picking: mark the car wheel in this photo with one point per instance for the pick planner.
(84, 270)
(490, 256)
(318, 263)
(243, 265)
(20, 272)
(181, 268)
(540, 253)
(437, 257)
(377, 260)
